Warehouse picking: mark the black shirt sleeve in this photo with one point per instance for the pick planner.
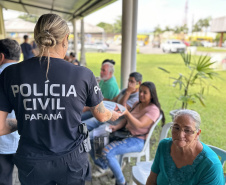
(94, 93)
(4, 99)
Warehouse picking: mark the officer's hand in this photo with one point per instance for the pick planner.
(115, 115)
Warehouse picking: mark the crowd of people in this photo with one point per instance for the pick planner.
(50, 106)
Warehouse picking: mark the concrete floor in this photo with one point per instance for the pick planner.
(104, 180)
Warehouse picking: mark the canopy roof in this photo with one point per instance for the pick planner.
(68, 9)
(21, 26)
(219, 25)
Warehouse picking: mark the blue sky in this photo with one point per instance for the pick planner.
(157, 12)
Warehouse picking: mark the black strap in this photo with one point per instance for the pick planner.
(139, 135)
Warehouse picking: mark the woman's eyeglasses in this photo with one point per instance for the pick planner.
(187, 131)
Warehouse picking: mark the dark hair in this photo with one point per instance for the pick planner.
(25, 37)
(154, 97)
(137, 76)
(72, 54)
(108, 60)
(75, 61)
(10, 48)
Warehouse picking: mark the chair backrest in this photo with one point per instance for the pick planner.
(165, 130)
(221, 153)
(146, 144)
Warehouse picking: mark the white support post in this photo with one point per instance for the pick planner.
(126, 42)
(75, 37)
(2, 27)
(134, 36)
(82, 55)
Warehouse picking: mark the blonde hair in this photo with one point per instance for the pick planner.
(49, 31)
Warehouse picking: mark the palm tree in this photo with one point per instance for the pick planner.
(118, 25)
(206, 23)
(167, 28)
(177, 29)
(184, 28)
(196, 28)
(157, 30)
(194, 82)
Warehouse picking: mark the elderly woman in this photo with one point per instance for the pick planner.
(183, 159)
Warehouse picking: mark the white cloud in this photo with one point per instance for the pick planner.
(108, 14)
(10, 14)
(155, 12)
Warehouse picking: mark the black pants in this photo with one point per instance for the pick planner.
(6, 169)
(70, 169)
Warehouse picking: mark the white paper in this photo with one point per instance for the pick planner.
(100, 131)
(114, 106)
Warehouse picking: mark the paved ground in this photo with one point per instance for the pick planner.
(104, 180)
(148, 49)
(113, 48)
(15, 177)
(107, 179)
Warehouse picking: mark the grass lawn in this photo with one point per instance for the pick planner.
(205, 49)
(213, 115)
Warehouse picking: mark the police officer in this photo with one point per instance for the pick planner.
(48, 96)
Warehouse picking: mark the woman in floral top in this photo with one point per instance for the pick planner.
(183, 159)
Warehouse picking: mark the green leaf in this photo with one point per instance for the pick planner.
(186, 58)
(214, 87)
(198, 76)
(200, 97)
(163, 69)
(187, 99)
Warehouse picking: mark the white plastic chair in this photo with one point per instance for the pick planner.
(221, 153)
(165, 130)
(146, 149)
(141, 171)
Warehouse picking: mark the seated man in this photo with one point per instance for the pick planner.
(108, 85)
(127, 97)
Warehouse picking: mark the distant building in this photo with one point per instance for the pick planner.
(16, 28)
(219, 26)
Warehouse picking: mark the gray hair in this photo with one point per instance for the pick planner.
(111, 67)
(192, 114)
(10, 48)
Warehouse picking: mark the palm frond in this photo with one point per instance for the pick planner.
(163, 69)
(200, 98)
(186, 58)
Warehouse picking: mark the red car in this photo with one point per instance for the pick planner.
(186, 43)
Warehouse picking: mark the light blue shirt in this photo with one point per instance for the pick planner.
(9, 142)
(205, 170)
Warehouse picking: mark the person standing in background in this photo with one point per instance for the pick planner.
(9, 54)
(34, 48)
(27, 49)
